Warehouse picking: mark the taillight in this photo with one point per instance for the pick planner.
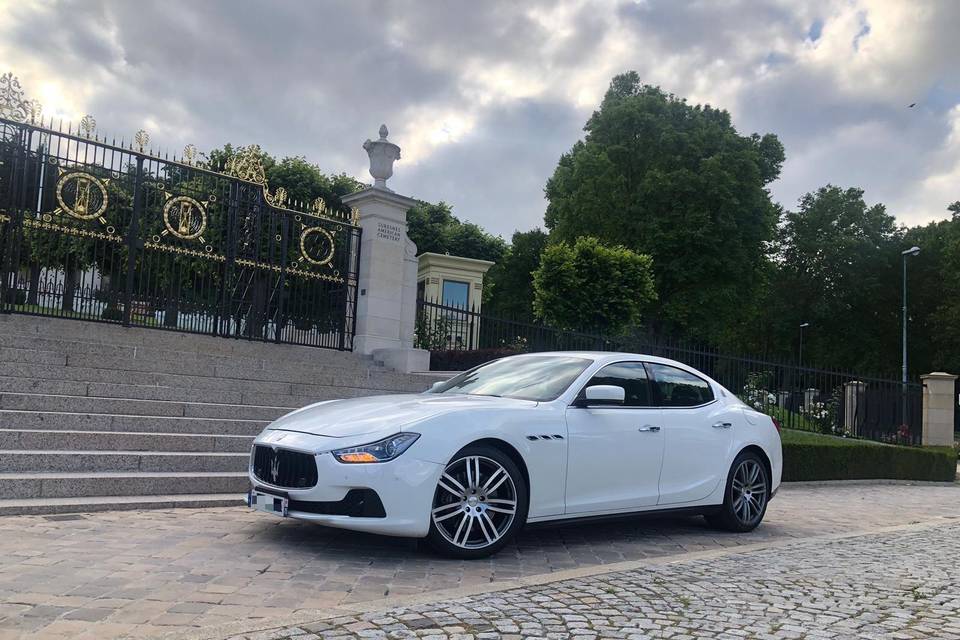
(776, 423)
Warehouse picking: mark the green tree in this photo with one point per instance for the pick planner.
(839, 271)
(434, 229)
(508, 285)
(586, 286)
(676, 182)
(934, 295)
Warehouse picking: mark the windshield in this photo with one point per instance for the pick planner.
(540, 378)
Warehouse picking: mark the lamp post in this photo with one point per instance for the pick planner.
(912, 251)
(800, 357)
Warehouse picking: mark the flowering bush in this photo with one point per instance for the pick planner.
(824, 414)
(755, 392)
(518, 344)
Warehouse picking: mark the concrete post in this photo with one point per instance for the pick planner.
(852, 411)
(387, 283)
(939, 404)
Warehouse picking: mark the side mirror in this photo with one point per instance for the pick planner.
(436, 385)
(604, 394)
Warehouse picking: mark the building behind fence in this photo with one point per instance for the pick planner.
(820, 400)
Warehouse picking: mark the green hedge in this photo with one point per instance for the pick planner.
(811, 457)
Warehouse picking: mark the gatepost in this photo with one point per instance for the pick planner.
(387, 283)
(939, 400)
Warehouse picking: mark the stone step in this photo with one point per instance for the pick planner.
(366, 383)
(82, 485)
(50, 439)
(153, 392)
(91, 504)
(149, 349)
(268, 370)
(56, 461)
(125, 406)
(44, 328)
(169, 362)
(31, 356)
(111, 390)
(57, 421)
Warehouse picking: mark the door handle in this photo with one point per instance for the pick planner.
(722, 425)
(649, 427)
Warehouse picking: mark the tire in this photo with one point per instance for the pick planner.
(476, 515)
(743, 510)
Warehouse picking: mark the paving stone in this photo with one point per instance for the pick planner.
(175, 570)
(842, 589)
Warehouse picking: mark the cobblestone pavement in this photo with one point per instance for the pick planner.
(144, 574)
(894, 585)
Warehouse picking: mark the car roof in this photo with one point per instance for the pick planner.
(608, 356)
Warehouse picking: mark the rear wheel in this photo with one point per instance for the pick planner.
(748, 491)
(479, 505)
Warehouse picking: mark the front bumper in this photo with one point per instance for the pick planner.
(404, 487)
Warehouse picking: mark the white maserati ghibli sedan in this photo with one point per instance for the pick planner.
(527, 439)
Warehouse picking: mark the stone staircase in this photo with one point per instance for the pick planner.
(97, 417)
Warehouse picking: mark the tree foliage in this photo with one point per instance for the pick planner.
(434, 229)
(676, 182)
(837, 269)
(508, 285)
(586, 286)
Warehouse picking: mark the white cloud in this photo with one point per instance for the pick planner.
(500, 89)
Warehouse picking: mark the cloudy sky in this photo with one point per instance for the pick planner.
(483, 97)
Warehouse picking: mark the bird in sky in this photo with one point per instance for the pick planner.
(911, 105)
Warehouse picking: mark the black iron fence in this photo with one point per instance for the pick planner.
(821, 400)
(96, 230)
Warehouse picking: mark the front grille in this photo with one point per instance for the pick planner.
(284, 468)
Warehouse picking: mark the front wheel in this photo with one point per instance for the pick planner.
(748, 491)
(479, 505)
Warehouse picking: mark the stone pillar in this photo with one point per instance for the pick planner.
(852, 411)
(387, 283)
(939, 404)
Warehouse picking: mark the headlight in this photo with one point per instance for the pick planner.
(380, 451)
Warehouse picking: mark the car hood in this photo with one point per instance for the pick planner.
(357, 416)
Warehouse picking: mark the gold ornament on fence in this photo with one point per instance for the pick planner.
(88, 124)
(189, 154)
(184, 217)
(13, 103)
(279, 198)
(248, 165)
(141, 139)
(35, 109)
(82, 195)
(319, 206)
(316, 245)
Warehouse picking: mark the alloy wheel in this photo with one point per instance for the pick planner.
(749, 489)
(475, 502)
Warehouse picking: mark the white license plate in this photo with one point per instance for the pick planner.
(269, 503)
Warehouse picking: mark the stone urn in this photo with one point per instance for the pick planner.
(383, 154)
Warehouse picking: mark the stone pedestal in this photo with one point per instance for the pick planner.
(939, 404)
(387, 283)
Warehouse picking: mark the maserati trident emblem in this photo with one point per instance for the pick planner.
(275, 468)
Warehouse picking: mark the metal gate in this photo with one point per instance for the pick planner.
(97, 230)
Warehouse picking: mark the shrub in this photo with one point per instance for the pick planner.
(113, 313)
(811, 457)
(16, 296)
(458, 360)
(590, 287)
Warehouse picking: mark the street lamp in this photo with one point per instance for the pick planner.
(912, 251)
(800, 358)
